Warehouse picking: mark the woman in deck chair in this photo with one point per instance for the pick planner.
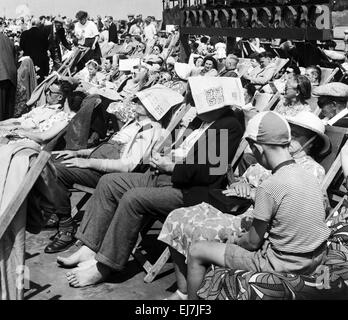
(297, 91)
(43, 123)
(185, 226)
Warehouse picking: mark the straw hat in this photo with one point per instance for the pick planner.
(310, 121)
(333, 89)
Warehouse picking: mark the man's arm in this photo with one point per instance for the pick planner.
(204, 170)
(254, 238)
(263, 78)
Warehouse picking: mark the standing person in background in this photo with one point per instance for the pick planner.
(87, 34)
(149, 30)
(100, 24)
(113, 36)
(8, 76)
(130, 22)
(56, 37)
(35, 44)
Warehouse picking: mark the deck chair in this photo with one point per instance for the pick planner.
(332, 164)
(280, 64)
(71, 61)
(328, 74)
(14, 216)
(151, 270)
(265, 105)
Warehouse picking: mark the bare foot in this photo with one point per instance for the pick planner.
(89, 275)
(87, 263)
(177, 296)
(81, 255)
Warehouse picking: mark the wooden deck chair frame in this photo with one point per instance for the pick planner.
(151, 270)
(328, 74)
(19, 197)
(65, 68)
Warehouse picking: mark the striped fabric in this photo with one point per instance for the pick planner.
(292, 201)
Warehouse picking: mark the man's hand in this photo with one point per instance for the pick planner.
(65, 154)
(161, 163)
(77, 163)
(240, 189)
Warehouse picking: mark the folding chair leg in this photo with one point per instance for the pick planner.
(157, 267)
(80, 204)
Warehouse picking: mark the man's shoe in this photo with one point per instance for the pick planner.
(61, 242)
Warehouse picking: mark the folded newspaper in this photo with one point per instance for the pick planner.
(213, 93)
(159, 99)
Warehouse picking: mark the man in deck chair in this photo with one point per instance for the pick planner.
(121, 202)
(265, 71)
(123, 152)
(288, 207)
(332, 101)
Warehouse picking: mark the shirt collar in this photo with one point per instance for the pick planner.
(283, 164)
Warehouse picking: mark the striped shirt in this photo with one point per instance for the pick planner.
(291, 201)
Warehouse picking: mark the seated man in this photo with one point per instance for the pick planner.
(333, 98)
(121, 202)
(123, 152)
(288, 206)
(127, 47)
(313, 73)
(43, 123)
(230, 67)
(264, 73)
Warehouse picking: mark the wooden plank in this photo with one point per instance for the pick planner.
(21, 194)
(242, 146)
(157, 267)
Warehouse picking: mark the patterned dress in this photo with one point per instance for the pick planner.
(291, 111)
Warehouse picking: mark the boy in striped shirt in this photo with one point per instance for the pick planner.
(288, 233)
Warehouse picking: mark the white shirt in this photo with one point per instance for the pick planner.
(149, 32)
(87, 30)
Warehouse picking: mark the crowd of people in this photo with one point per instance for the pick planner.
(119, 78)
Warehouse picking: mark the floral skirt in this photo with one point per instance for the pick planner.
(185, 226)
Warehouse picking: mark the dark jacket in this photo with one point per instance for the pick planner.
(196, 180)
(58, 38)
(34, 43)
(113, 37)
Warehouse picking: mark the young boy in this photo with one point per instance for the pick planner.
(288, 233)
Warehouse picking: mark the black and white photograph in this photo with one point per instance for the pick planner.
(156, 151)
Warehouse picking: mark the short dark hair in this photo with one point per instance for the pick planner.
(215, 64)
(316, 70)
(81, 15)
(304, 87)
(265, 54)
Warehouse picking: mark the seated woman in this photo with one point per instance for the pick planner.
(208, 69)
(125, 110)
(185, 226)
(297, 91)
(139, 51)
(156, 55)
(91, 73)
(44, 123)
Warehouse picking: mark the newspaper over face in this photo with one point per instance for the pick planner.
(213, 93)
(159, 99)
(128, 64)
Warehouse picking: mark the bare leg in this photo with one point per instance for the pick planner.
(180, 269)
(91, 274)
(81, 255)
(202, 254)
